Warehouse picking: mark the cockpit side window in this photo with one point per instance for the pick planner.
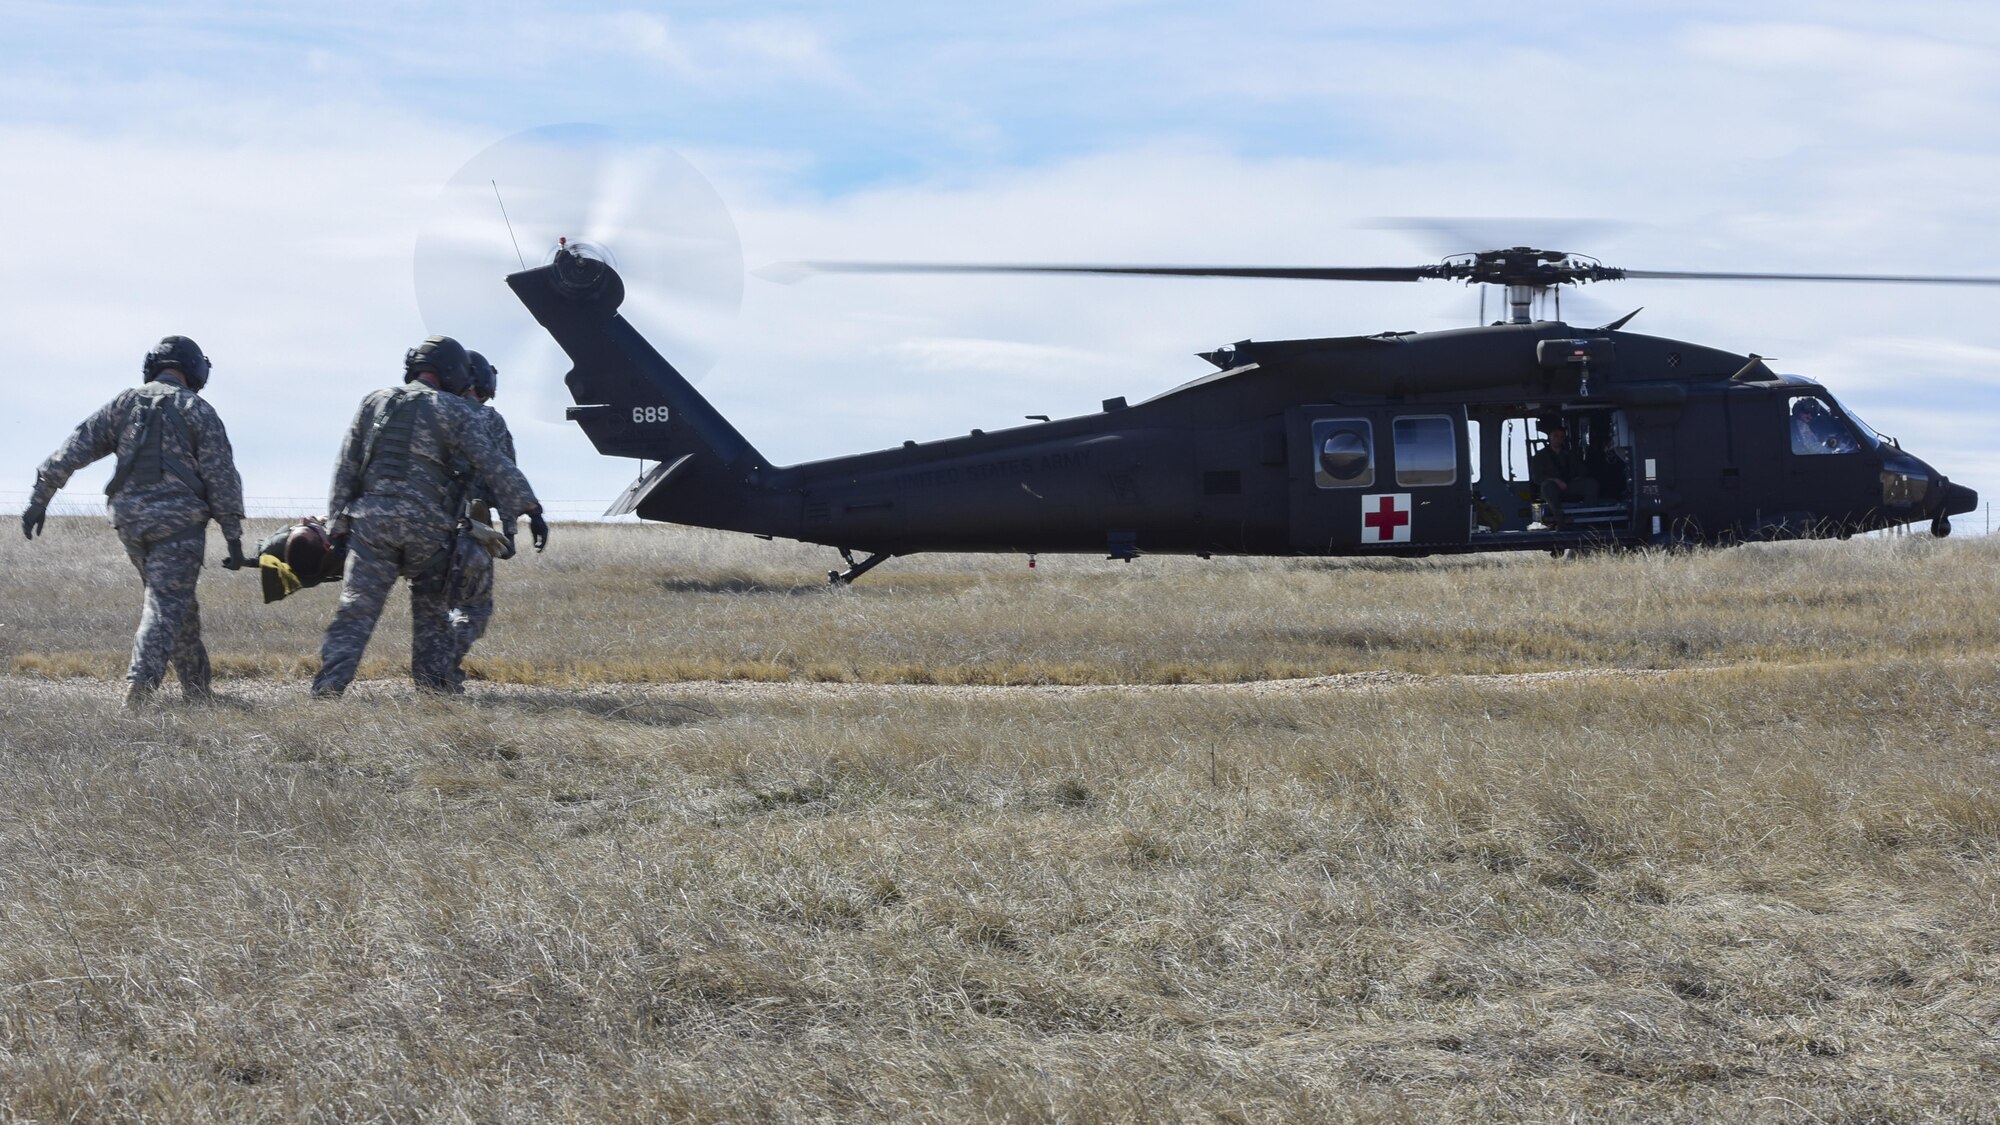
(1816, 429)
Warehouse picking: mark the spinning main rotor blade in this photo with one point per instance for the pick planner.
(1453, 236)
(1899, 278)
(1538, 269)
(794, 271)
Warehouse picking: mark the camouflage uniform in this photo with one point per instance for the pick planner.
(1561, 478)
(392, 489)
(175, 473)
(472, 584)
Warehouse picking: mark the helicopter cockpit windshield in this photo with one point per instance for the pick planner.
(1817, 428)
(1870, 436)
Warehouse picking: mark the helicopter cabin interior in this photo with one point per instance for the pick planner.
(1512, 456)
(1420, 478)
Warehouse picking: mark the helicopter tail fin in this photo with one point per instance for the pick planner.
(630, 401)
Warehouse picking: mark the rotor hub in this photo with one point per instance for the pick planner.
(581, 267)
(1526, 266)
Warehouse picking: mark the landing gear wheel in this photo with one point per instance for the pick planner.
(1941, 527)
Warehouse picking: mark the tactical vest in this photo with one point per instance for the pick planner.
(150, 459)
(391, 456)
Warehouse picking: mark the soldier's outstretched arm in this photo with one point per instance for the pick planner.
(496, 426)
(512, 494)
(346, 488)
(93, 440)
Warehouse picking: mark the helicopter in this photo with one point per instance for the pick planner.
(1396, 443)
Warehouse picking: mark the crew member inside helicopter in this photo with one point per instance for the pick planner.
(1560, 473)
(1816, 430)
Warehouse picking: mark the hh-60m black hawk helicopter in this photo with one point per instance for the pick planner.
(1398, 443)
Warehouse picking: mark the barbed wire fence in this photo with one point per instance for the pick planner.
(293, 507)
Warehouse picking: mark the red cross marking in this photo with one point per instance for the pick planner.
(1385, 519)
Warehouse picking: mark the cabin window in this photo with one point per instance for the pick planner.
(1344, 453)
(1816, 429)
(1426, 451)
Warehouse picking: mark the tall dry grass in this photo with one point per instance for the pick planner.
(614, 603)
(1762, 894)
(1760, 885)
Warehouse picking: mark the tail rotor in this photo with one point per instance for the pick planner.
(638, 205)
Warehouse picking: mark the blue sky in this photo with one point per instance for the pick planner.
(257, 177)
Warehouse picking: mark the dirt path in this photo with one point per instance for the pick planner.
(279, 692)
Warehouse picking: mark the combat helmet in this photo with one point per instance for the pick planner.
(485, 376)
(180, 354)
(443, 355)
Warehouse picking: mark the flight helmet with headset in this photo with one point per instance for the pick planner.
(177, 353)
(443, 355)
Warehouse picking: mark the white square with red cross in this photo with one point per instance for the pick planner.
(1385, 518)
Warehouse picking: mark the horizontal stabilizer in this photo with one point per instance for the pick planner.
(650, 481)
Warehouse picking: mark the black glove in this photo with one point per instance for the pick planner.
(538, 528)
(32, 518)
(235, 561)
(509, 552)
(335, 544)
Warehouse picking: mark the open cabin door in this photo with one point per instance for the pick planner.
(1378, 479)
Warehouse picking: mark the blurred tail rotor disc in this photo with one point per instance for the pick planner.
(662, 223)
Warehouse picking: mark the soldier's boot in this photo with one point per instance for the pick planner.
(430, 683)
(197, 682)
(433, 644)
(455, 673)
(138, 696)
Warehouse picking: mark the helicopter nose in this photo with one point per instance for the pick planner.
(1958, 500)
(1909, 487)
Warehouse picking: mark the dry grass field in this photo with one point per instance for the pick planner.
(1701, 837)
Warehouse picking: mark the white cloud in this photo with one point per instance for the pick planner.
(272, 217)
(1012, 358)
(1815, 52)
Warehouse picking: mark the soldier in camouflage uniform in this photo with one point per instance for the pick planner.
(472, 581)
(393, 494)
(175, 473)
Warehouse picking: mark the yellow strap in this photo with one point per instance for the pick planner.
(285, 573)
